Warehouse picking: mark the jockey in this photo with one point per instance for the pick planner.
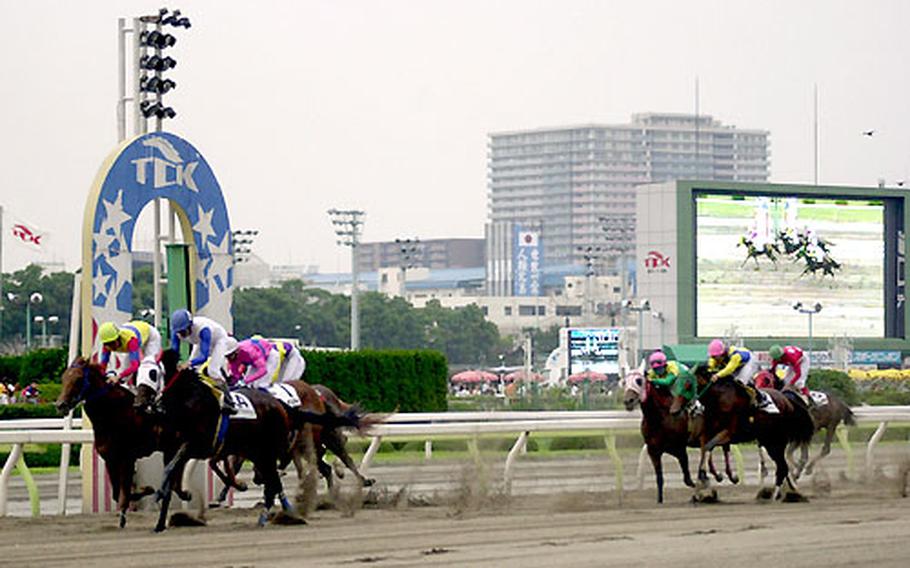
(662, 372)
(260, 363)
(797, 366)
(736, 362)
(210, 341)
(141, 340)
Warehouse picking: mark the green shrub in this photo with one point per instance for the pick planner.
(836, 382)
(37, 366)
(45, 455)
(11, 411)
(886, 396)
(383, 381)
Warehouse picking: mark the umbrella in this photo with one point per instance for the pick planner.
(586, 375)
(473, 377)
(520, 376)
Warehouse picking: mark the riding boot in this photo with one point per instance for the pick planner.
(227, 403)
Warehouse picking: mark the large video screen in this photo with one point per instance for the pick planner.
(594, 349)
(814, 251)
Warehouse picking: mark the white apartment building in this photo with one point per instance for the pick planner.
(576, 184)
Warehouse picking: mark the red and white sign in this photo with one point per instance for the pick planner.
(527, 239)
(656, 261)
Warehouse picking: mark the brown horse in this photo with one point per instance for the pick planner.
(122, 435)
(317, 399)
(664, 432)
(193, 427)
(828, 416)
(730, 418)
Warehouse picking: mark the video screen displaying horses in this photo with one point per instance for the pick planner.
(756, 256)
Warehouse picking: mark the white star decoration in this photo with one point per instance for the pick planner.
(221, 263)
(114, 218)
(203, 226)
(99, 284)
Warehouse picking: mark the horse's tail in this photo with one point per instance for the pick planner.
(802, 427)
(849, 417)
(353, 417)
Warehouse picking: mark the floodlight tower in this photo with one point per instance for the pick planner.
(348, 224)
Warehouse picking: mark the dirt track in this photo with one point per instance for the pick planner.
(850, 525)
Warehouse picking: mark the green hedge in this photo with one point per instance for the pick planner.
(45, 455)
(836, 382)
(10, 411)
(383, 381)
(37, 366)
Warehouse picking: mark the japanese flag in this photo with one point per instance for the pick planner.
(527, 239)
(25, 234)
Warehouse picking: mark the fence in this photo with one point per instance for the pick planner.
(427, 425)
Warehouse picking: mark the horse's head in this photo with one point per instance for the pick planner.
(77, 380)
(634, 384)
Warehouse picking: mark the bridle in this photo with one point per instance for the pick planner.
(84, 395)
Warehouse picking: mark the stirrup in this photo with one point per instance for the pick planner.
(696, 408)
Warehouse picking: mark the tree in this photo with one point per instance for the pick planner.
(57, 292)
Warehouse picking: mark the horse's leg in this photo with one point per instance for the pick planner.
(782, 468)
(683, 458)
(336, 443)
(731, 475)
(717, 475)
(164, 493)
(654, 453)
(826, 448)
(117, 472)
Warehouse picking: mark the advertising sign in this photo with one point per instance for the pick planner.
(526, 258)
(594, 349)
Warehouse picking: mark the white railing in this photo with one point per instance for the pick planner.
(425, 425)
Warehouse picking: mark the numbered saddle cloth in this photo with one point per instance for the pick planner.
(766, 403)
(819, 398)
(245, 409)
(286, 394)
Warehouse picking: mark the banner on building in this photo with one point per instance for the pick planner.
(527, 254)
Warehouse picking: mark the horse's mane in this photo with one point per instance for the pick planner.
(700, 369)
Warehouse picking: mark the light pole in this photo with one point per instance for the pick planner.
(44, 321)
(809, 311)
(659, 316)
(241, 244)
(642, 307)
(409, 253)
(591, 256)
(348, 224)
(35, 298)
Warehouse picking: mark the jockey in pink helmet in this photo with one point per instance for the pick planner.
(662, 372)
(733, 361)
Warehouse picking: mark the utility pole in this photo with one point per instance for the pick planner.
(348, 225)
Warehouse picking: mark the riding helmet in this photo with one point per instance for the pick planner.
(181, 320)
(776, 352)
(716, 348)
(657, 360)
(108, 332)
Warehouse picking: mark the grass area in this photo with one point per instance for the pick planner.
(820, 210)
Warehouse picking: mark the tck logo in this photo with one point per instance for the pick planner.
(171, 170)
(655, 261)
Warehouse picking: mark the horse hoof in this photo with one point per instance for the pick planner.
(158, 529)
(765, 493)
(185, 495)
(689, 483)
(122, 521)
(734, 479)
(242, 486)
(263, 519)
(369, 482)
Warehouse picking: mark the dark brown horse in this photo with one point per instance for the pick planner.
(122, 435)
(730, 418)
(666, 433)
(193, 427)
(316, 399)
(828, 416)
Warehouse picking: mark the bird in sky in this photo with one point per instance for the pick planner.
(868, 132)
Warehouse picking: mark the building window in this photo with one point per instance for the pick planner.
(507, 310)
(485, 311)
(526, 310)
(568, 310)
(541, 310)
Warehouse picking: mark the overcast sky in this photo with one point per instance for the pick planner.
(300, 106)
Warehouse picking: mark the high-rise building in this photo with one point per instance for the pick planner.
(428, 253)
(576, 184)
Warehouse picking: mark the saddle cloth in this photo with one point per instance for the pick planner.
(766, 403)
(245, 408)
(819, 398)
(286, 394)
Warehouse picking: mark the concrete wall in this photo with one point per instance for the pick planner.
(657, 261)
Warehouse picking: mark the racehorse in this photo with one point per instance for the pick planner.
(318, 399)
(122, 435)
(664, 432)
(730, 418)
(828, 416)
(194, 427)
